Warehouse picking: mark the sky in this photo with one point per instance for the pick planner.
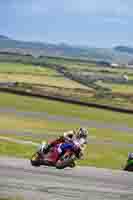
(95, 23)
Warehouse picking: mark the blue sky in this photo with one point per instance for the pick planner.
(99, 23)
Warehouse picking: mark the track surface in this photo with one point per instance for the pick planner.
(17, 177)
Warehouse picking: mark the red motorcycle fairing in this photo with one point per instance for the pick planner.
(53, 159)
(52, 156)
(48, 159)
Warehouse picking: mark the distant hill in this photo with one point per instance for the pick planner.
(65, 50)
(124, 49)
(2, 37)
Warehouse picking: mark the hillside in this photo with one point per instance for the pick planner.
(63, 50)
(124, 49)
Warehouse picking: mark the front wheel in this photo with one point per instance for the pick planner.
(35, 160)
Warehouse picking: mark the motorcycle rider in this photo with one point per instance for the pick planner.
(67, 136)
(82, 138)
(129, 164)
(77, 143)
(69, 140)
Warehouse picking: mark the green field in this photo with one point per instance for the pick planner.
(105, 156)
(12, 122)
(45, 75)
(17, 72)
(19, 68)
(43, 127)
(60, 108)
(122, 88)
(94, 70)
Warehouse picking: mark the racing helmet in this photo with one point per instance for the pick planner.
(82, 133)
(130, 156)
(69, 134)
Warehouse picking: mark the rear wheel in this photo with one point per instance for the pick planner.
(129, 168)
(65, 161)
(72, 164)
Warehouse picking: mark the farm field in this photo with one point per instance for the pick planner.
(122, 88)
(43, 74)
(93, 71)
(17, 72)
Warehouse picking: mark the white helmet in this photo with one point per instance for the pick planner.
(69, 134)
(130, 156)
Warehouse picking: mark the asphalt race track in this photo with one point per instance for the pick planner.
(19, 178)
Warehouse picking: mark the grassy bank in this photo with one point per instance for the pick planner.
(17, 150)
(63, 109)
(122, 88)
(105, 156)
(19, 125)
(11, 72)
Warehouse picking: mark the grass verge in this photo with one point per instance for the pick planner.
(105, 156)
(19, 125)
(65, 109)
(11, 122)
(17, 150)
(111, 135)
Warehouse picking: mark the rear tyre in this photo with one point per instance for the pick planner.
(72, 164)
(61, 164)
(129, 168)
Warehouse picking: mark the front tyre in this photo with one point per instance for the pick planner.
(35, 161)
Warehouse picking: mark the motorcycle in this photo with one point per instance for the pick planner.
(52, 158)
(129, 163)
